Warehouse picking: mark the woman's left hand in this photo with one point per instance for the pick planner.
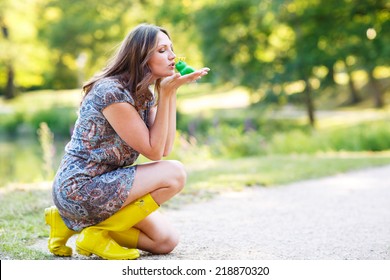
(176, 80)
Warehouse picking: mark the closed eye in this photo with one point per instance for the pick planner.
(163, 49)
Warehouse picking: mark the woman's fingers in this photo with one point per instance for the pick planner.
(195, 75)
(176, 80)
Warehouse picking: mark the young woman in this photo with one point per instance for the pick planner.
(97, 191)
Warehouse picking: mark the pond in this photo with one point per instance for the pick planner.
(22, 160)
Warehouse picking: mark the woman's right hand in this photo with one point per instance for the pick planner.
(172, 83)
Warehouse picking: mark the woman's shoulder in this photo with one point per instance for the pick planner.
(109, 90)
(107, 83)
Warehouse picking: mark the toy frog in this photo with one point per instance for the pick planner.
(183, 68)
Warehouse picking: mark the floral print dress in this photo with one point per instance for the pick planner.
(96, 172)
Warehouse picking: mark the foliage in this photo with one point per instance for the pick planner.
(234, 45)
(267, 45)
(22, 55)
(78, 35)
(234, 142)
(218, 133)
(263, 45)
(59, 119)
(371, 136)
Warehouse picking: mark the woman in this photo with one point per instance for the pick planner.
(98, 192)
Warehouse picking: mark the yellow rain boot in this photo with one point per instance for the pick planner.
(128, 238)
(59, 233)
(97, 240)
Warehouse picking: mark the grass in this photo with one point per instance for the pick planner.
(220, 175)
(43, 99)
(22, 220)
(201, 98)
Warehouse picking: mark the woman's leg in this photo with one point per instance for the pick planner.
(162, 180)
(157, 234)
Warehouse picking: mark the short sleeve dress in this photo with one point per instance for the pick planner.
(97, 171)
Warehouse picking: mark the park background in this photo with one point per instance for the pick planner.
(297, 89)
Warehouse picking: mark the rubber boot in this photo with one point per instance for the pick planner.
(128, 238)
(59, 233)
(97, 240)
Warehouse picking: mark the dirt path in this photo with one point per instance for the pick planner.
(340, 217)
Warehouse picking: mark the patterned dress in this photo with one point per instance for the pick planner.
(96, 172)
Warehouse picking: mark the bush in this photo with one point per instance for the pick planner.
(241, 135)
(373, 136)
(59, 119)
(234, 142)
(9, 123)
(295, 141)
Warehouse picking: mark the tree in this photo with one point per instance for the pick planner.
(7, 58)
(332, 31)
(271, 44)
(234, 41)
(248, 45)
(309, 23)
(22, 56)
(9, 92)
(84, 32)
(371, 27)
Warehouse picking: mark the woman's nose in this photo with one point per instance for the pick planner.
(172, 55)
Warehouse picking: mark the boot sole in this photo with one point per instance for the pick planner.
(88, 253)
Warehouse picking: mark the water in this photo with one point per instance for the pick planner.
(21, 160)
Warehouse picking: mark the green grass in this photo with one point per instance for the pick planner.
(265, 171)
(21, 223)
(44, 99)
(22, 219)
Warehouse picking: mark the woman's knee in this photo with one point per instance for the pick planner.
(162, 179)
(158, 235)
(177, 175)
(166, 243)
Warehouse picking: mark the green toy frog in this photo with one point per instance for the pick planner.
(183, 68)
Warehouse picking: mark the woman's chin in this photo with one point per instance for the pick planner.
(164, 75)
(169, 73)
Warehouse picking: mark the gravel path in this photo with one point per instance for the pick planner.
(334, 218)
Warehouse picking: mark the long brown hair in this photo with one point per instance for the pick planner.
(130, 64)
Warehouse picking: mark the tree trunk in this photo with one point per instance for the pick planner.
(354, 96)
(10, 87)
(309, 103)
(376, 90)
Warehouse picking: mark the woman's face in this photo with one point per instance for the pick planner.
(162, 61)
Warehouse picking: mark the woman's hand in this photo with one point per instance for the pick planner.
(172, 83)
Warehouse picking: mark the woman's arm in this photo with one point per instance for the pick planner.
(171, 124)
(126, 121)
(171, 127)
(173, 112)
(155, 142)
